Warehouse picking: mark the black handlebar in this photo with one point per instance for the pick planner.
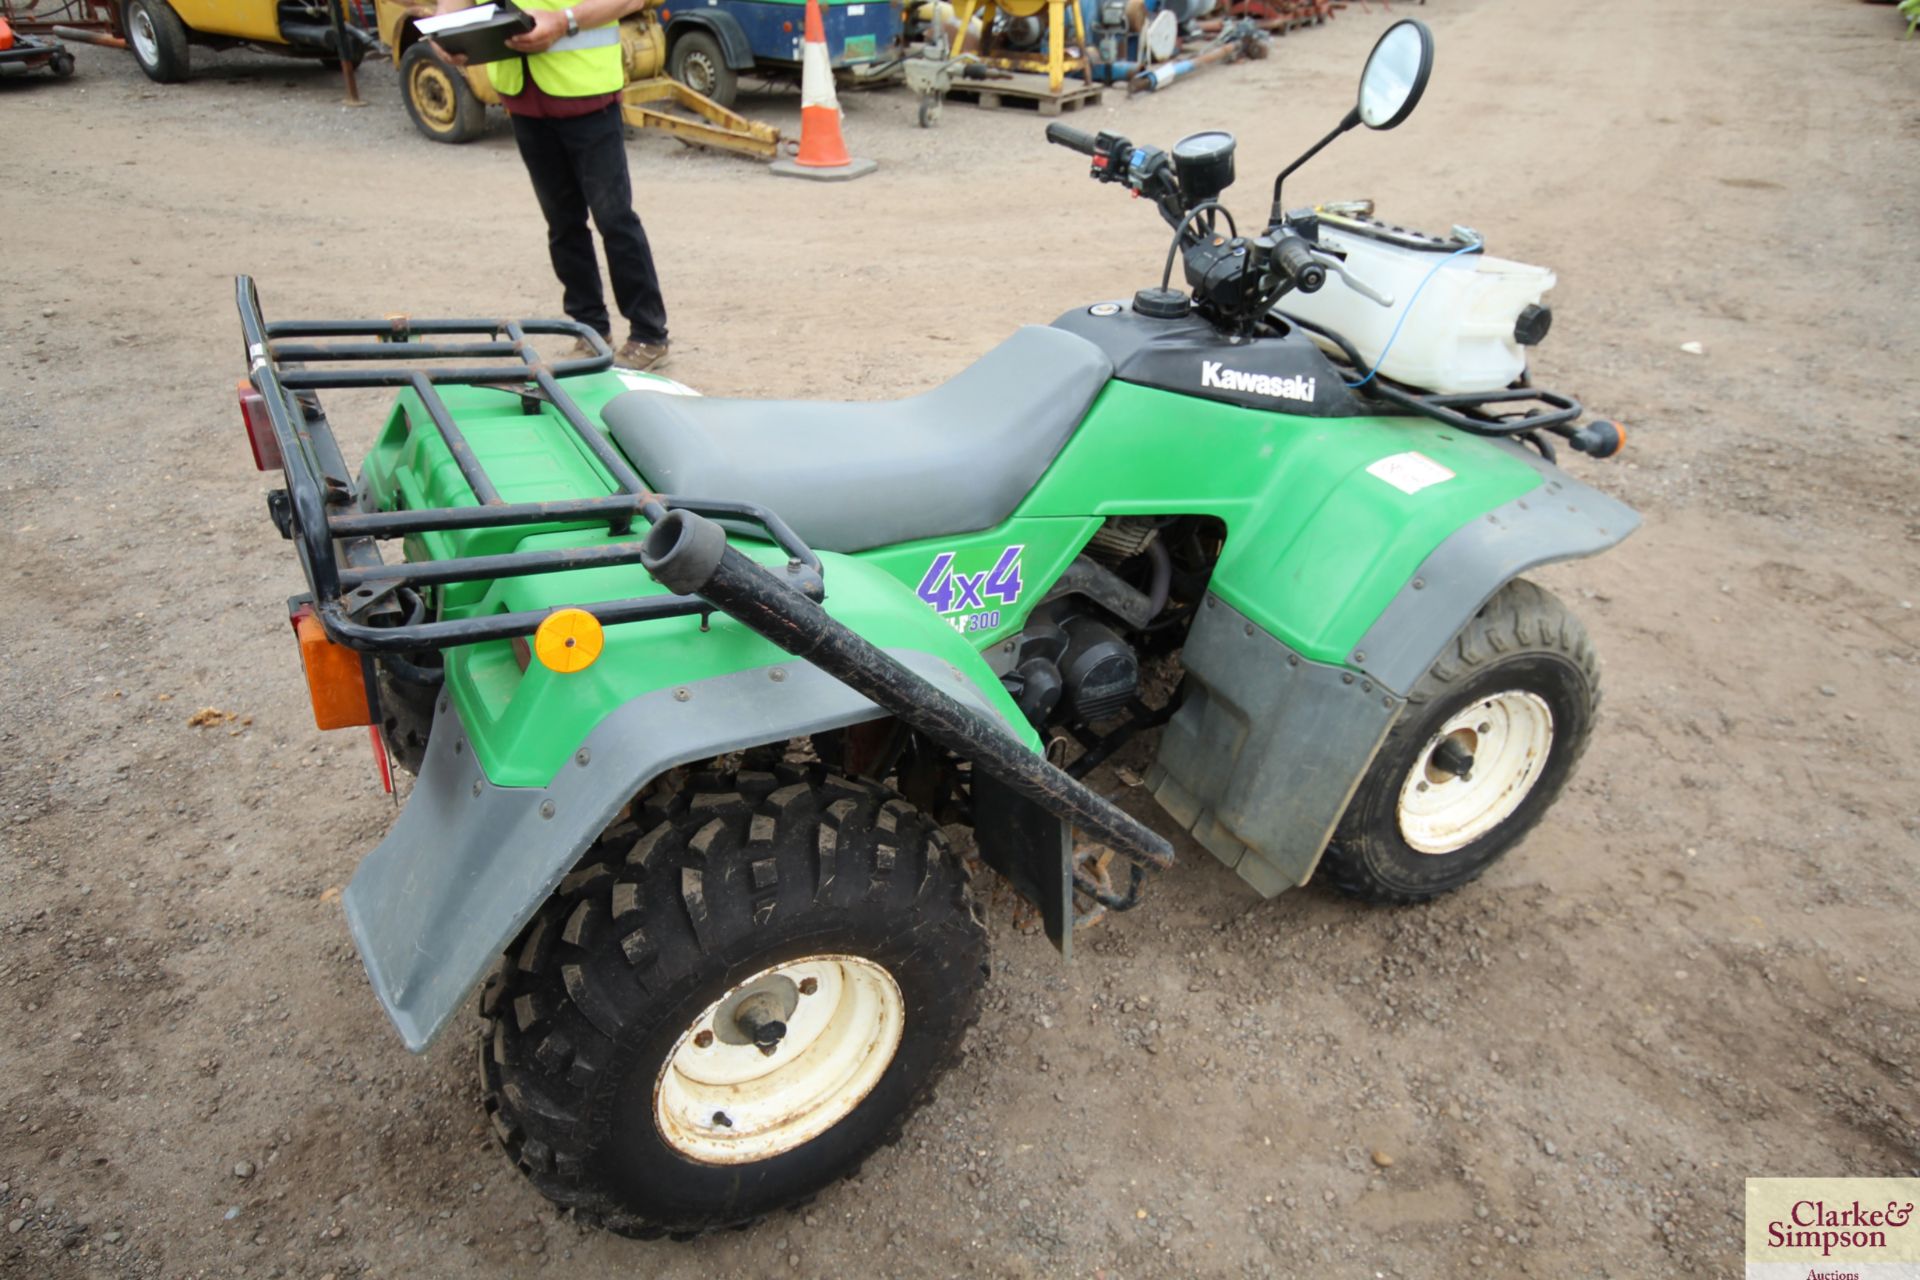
(1296, 260)
(1073, 139)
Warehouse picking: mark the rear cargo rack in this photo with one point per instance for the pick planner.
(336, 532)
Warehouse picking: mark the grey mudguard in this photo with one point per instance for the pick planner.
(1265, 753)
(1561, 520)
(467, 862)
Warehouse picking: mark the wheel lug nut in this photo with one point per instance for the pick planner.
(703, 1040)
(809, 985)
(723, 1120)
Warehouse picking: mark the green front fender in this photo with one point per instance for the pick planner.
(526, 722)
(1322, 530)
(1356, 549)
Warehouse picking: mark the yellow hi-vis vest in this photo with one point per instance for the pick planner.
(577, 66)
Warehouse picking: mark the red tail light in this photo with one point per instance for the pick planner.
(253, 412)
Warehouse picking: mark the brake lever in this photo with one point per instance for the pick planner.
(1354, 282)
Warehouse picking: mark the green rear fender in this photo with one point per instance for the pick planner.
(524, 769)
(526, 724)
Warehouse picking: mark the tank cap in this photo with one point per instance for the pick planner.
(1532, 325)
(1162, 304)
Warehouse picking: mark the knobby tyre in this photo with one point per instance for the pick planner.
(745, 878)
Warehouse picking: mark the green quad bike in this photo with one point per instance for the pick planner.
(683, 763)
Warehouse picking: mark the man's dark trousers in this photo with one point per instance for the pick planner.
(578, 166)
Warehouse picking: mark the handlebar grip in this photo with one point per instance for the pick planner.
(1061, 135)
(1297, 261)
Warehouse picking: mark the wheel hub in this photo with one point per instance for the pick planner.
(1475, 772)
(700, 73)
(762, 1018)
(433, 95)
(779, 1059)
(145, 42)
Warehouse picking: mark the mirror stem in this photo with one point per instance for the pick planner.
(1279, 211)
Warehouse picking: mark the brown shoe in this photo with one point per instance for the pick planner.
(640, 356)
(583, 350)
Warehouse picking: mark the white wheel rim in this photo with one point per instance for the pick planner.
(720, 1100)
(144, 39)
(1509, 736)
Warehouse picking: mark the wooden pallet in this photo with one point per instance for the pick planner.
(1029, 93)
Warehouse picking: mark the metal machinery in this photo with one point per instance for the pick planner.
(449, 104)
(1126, 40)
(712, 43)
(161, 33)
(1008, 25)
(1238, 38)
(33, 53)
(88, 21)
(1277, 17)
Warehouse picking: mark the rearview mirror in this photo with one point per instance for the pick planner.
(1390, 87)
(1396, 74)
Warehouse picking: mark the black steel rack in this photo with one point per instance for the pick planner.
(1474, 412)
(336, 531)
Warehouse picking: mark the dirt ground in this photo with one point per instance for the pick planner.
(1703, 968)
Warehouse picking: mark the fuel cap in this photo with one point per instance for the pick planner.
(1162, 304)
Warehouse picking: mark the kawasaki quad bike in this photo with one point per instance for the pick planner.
(693, 689)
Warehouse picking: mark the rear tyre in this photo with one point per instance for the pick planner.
(698, 63)
(442, 105)
(823, 915)
(1490, 735)
(159, 40)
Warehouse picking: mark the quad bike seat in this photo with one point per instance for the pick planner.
(848, 476)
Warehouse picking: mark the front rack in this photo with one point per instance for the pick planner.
(335, 531)
(1467, 411)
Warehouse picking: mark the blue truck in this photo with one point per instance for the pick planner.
(711, 43)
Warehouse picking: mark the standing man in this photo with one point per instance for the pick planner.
(563, 96)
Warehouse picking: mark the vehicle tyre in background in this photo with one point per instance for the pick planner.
(437, 96)
(740, 993)
(698, 63)
(1489, 737)
(158, 39)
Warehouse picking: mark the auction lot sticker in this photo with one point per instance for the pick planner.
(1833, 1229)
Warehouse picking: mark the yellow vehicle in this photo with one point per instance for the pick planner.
(162, 32)
(449, 103)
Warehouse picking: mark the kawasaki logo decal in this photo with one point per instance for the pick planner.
(1259, 384)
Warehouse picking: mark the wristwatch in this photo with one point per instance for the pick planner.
(573, 24)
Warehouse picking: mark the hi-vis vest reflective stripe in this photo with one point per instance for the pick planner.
(577, 66)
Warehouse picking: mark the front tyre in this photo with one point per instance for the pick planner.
(1490, 735)
(734, 999)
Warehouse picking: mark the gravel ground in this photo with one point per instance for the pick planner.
(1701, 969)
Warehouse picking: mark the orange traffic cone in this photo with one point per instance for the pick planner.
(823, 154)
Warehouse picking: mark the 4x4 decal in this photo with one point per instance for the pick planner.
(962, 597)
